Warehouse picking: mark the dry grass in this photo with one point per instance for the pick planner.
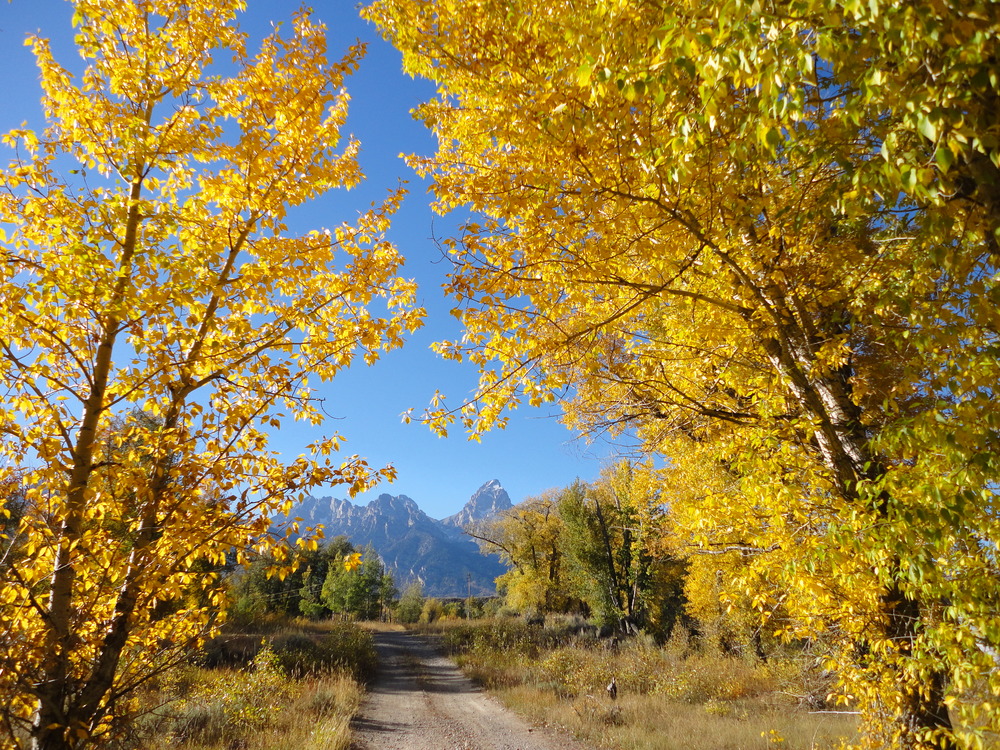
(649, 722)
(376, 626)
(299, 691)
(672, 697)
(227, 711)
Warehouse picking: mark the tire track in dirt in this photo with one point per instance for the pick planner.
(421, 701)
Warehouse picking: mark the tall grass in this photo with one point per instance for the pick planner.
(676, 696)
(302, 646)
(295, 688)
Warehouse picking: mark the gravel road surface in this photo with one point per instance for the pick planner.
(421, 701)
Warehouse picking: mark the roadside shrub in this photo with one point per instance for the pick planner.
(229, 650)
(340, 645)
(577, 670)
(299, 655)
(343, 647)
(715, 677)
(565, 670)
(349, 647)
(501, 634)
(242, 702)
(432, 611)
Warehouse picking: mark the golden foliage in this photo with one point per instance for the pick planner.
(763, 238)
(160, 275)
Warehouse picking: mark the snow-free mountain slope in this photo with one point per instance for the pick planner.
(413, 545)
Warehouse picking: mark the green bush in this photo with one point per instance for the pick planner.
(349, 647)
(299, 654)
(508, 636)
(344, 646)
(411, 604)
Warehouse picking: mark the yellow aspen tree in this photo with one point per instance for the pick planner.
(159, 319)
(762, 236)
(526, 537)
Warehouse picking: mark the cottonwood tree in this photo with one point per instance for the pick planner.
(147, 264)
(763, 237)
(527, 539)
(591, 547)
(610, 527)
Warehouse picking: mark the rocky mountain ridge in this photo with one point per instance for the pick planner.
(486, 502)
(414, 546)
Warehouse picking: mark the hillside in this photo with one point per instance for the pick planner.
(413, 545)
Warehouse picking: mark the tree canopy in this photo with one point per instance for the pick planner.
(365, 591)
(763, 238)
(147, 265)
(527, 539)
(595, 548)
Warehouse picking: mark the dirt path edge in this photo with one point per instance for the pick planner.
(420, 700)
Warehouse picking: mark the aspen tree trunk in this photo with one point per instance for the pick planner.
(846, 452)
(923, 709)
(55, 721)
(58, 721)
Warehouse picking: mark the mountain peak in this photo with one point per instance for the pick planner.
(413, 545)
(487, 501)
(386, 500)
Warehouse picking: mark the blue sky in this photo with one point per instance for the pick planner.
(535, 452)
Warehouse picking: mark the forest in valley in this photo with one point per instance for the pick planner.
(758, 241)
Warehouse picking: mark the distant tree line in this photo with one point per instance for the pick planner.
(315, 583)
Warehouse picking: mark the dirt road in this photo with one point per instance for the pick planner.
(421, 701)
